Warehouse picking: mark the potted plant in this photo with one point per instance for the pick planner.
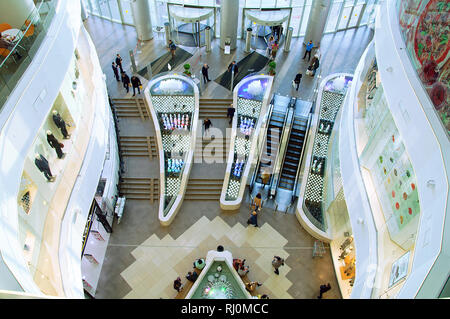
(187, 66)
(272, 66)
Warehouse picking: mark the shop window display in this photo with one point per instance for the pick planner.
(425, 30)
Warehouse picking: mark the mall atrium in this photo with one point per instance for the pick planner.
(224, 149)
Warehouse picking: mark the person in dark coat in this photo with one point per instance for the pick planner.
(177, 285)
(136, 83)
(119, 62)
(59, 122)
(207, 123)
(42, 164)
(297, 80)
(172, 48)
(54, 143)
(233, 67)
(323, 289)
(192, 276)
(230, 113)
(253, 220)
(126, 81)
(116, 71)
(315, 65)
(205, 68)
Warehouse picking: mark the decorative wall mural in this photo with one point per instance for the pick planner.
(424, 25)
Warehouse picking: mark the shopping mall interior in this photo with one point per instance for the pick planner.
(224, 149)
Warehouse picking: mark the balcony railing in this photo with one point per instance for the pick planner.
(24, 46)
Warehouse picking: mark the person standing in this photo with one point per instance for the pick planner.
(59, 122)
(309, 47)
(315, 65)
(233, 67)
(116, 71)
(269, 45)
(230, 113)
(119, 62)
(42, 164)
(207, 123)
(323, 289)
(277, 262)
(297, 80)
(126, 81)
(274, 50)
(172, 48)
(136, 83)
(54, 143)
(251, 286)
(205, 68)
(177, 285)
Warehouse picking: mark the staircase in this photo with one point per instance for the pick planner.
(293, 153)
(138, 146)
(140, 188)
(207, 150)
(204, 189)
(131, 107)
(214, 108)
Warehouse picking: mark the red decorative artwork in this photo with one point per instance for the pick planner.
(393, 138)
(397, 205)
(409, 210)
(401, 219)
(405, 196)
(393, 193)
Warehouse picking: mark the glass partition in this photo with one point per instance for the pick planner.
(24, 45)
(424, 26)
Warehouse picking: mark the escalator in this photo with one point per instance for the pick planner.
(293, 153)
(271, 145)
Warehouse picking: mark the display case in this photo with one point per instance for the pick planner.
(250, 99)
(173, 100)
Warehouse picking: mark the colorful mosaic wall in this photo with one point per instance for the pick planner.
(424, 25)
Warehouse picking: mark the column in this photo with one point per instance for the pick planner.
(15, 12)
(141, 17)
(229, 14)
(84, 13)
(317, 21)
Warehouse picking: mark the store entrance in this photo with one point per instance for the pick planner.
(188, 24)
(264, 23)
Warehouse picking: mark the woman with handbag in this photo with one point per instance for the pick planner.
(54, 143)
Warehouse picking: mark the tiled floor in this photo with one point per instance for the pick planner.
(143, 258)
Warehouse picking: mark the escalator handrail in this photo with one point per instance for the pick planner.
(286, 132)
(305, 141)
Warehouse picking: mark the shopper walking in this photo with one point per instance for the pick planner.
(258, 201)
(253, 220)
(172, 48)
(297, 80)
(54, 143)
(230, 113)
(207, 123)
(277, 262)
(323, 289)
(116, 71)
(119, 62)
(205, 68)
(126, 81)
(309, 47)
(136, 83)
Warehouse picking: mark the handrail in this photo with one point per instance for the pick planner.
(305, 141)
(284, 141)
